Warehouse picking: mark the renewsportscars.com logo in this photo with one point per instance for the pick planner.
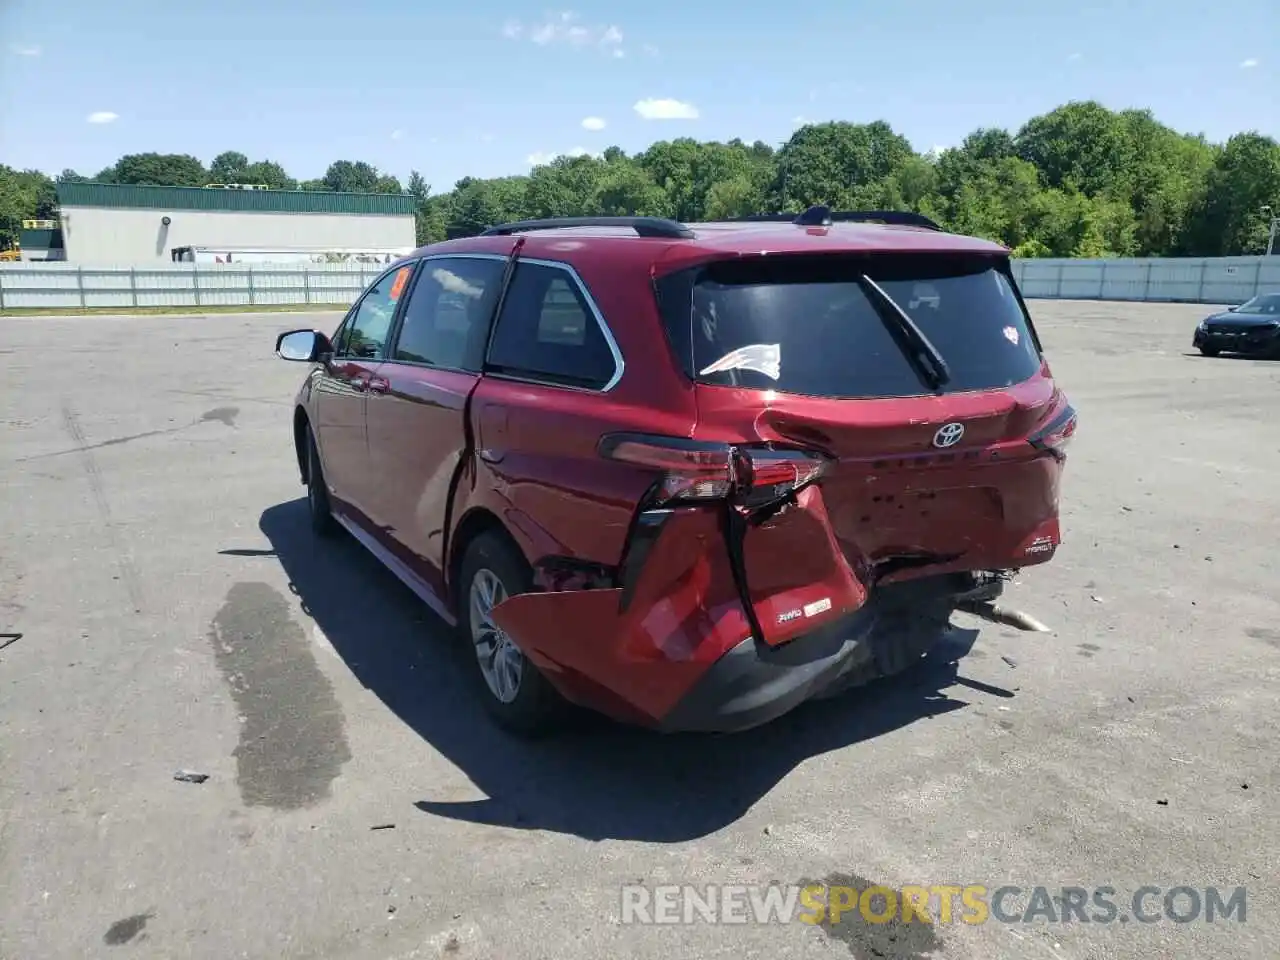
(823, 904)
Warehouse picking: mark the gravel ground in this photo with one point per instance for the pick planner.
(172, 612)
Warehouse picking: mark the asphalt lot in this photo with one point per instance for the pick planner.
(175, 613)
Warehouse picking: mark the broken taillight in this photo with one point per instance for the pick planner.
(1055, 437)
(698, 470)
(691, 470)
(766, 475)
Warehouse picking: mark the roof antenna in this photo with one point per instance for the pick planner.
(819, 215)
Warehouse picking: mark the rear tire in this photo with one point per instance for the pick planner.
(514, 691)
(318, 505)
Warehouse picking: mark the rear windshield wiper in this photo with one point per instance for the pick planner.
(923, 355)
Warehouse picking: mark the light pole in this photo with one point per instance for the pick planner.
(1271, 233)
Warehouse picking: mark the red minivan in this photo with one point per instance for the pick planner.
(688, 475)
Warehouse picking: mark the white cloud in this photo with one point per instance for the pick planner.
(593, 123)
(619, 53)
(650, 50)
(800, 121)
(455, 284)
(566, 28)
(665, 109)
(1074, 57)
(1248, 64)
(26, 50)
(539, 157)
(397, 134)
(103, 116)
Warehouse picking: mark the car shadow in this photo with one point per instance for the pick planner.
(597, 780)
(1237, 357)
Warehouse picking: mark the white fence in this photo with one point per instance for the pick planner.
(65, 286)
(1184, 280)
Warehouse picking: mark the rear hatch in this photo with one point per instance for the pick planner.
(920, 382)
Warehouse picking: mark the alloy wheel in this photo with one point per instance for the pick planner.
(501, 662)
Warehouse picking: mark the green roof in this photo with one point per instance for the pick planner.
(40, 239)
(121, 196)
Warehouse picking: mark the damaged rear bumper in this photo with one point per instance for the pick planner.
(602, 662)
(690, 634)
(753, 683)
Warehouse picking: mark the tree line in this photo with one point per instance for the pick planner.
(1078, 181)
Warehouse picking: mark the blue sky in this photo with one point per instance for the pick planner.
(480, 89)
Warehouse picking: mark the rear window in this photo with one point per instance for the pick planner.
(808, 326)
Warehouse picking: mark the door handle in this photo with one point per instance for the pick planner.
(379, 384)
(358, 384)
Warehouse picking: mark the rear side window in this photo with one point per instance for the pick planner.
(808, 326)
(547, 331)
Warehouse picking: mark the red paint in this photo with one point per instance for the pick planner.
(417, 442)
(426, 451)
(684, 615)
(889, 491)
(336, 412)
(794, 560)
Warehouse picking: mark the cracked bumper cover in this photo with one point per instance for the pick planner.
(753, 683)
(590, 656)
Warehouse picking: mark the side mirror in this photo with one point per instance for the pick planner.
(304, 346)
(1233, 309)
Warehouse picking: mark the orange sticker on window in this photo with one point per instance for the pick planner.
(397, 286)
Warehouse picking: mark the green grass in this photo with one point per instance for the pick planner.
(168, 311)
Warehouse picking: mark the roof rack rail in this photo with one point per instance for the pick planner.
(822, 216)
(644, 226)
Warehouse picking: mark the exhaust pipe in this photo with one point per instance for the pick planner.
(987, 610)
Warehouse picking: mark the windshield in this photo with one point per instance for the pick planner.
(1266, 303)
(807, 326)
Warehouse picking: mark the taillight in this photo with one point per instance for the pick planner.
(696, 470)
(690, 470)
(1055, 437)
(766, 475)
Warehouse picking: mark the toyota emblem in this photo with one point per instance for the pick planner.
(948, 435)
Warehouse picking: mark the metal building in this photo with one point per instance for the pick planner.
(40, 240)
(103, 223)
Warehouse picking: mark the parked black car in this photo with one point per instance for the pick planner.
(1252, 328)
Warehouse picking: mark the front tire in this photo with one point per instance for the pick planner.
(513, 690)
(318, 505)
(1209, 351)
